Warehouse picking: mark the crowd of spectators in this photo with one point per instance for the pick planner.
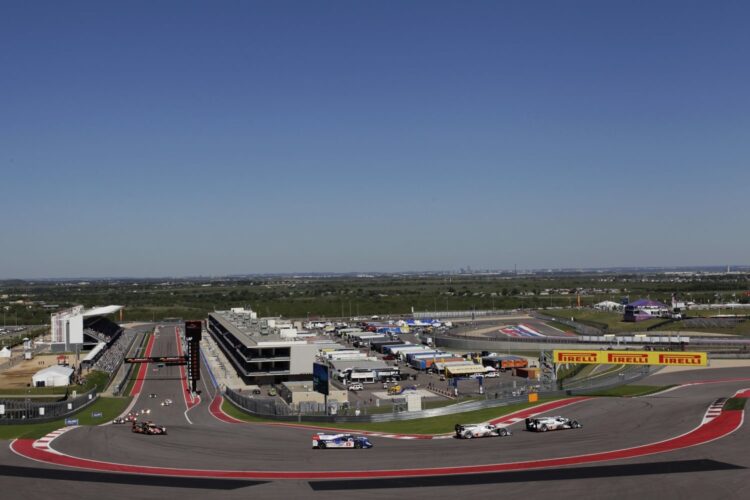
(110, 358)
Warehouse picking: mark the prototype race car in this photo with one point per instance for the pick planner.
(544, 424)
(322, 441)
(149, 428)
(468, 431)
(130, 417)
(166, 402)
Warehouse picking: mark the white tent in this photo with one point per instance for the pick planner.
(4, 352)
(54, 376)
(608, 305)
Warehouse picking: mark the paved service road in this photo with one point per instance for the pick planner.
(197, 440)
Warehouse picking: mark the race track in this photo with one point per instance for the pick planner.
(239, 459)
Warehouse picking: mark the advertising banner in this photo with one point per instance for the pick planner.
(661, 358)
(320, 378)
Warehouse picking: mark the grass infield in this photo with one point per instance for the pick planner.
(110, 408)
(735, 404)
(433, 425)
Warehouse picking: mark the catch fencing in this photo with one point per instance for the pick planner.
(258, 406)
(129, 367)
(272, 409)
(26, 411)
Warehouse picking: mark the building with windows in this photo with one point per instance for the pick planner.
(258, 351)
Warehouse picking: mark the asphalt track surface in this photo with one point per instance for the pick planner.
(198, 440)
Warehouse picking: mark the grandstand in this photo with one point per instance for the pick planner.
(76, 329)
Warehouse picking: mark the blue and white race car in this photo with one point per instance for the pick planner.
(322, 441)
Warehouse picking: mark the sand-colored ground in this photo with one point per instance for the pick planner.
(19, 375)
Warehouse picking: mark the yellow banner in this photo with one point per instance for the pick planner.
(593, 357)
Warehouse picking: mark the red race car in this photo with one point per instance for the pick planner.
(149, 428)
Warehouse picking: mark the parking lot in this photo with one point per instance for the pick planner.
(435, 387)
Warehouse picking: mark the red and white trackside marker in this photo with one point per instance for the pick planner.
(44, 442)
(723, 425)
(143, 368)
(714, 410)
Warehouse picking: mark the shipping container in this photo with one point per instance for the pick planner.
(530, 373)
(429, 362)
(505, 362)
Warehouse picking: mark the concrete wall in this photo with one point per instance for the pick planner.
(302, 358)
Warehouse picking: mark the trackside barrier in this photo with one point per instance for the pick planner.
(112, 376)
(270, 409)
(580, 327)
(466, 314)
(208, 368)
(25, 411)
(126, 378)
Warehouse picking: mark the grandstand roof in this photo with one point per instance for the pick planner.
(92, 354)
(101, 311)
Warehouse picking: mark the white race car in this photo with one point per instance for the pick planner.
(469, 431)
(544, 424)
(322, 441)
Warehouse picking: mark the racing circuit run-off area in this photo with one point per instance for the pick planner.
(203, 442)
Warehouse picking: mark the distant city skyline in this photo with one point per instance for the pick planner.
(189, 138)
(739, 268)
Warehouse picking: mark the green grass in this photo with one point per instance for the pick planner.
(110, 408)
(434, 425)
(612, 320)
(96, 379)
(559, 326)
(735, 404)
(631, 390)
(743, 328)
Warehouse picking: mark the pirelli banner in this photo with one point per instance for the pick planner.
(665, 358)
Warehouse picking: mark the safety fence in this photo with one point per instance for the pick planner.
(465, 314)
(129, 367)
(258, 406)
(613, 377)
(25, 411)
(214, 382)
(518, 393)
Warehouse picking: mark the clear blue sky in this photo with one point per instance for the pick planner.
(183, 138)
